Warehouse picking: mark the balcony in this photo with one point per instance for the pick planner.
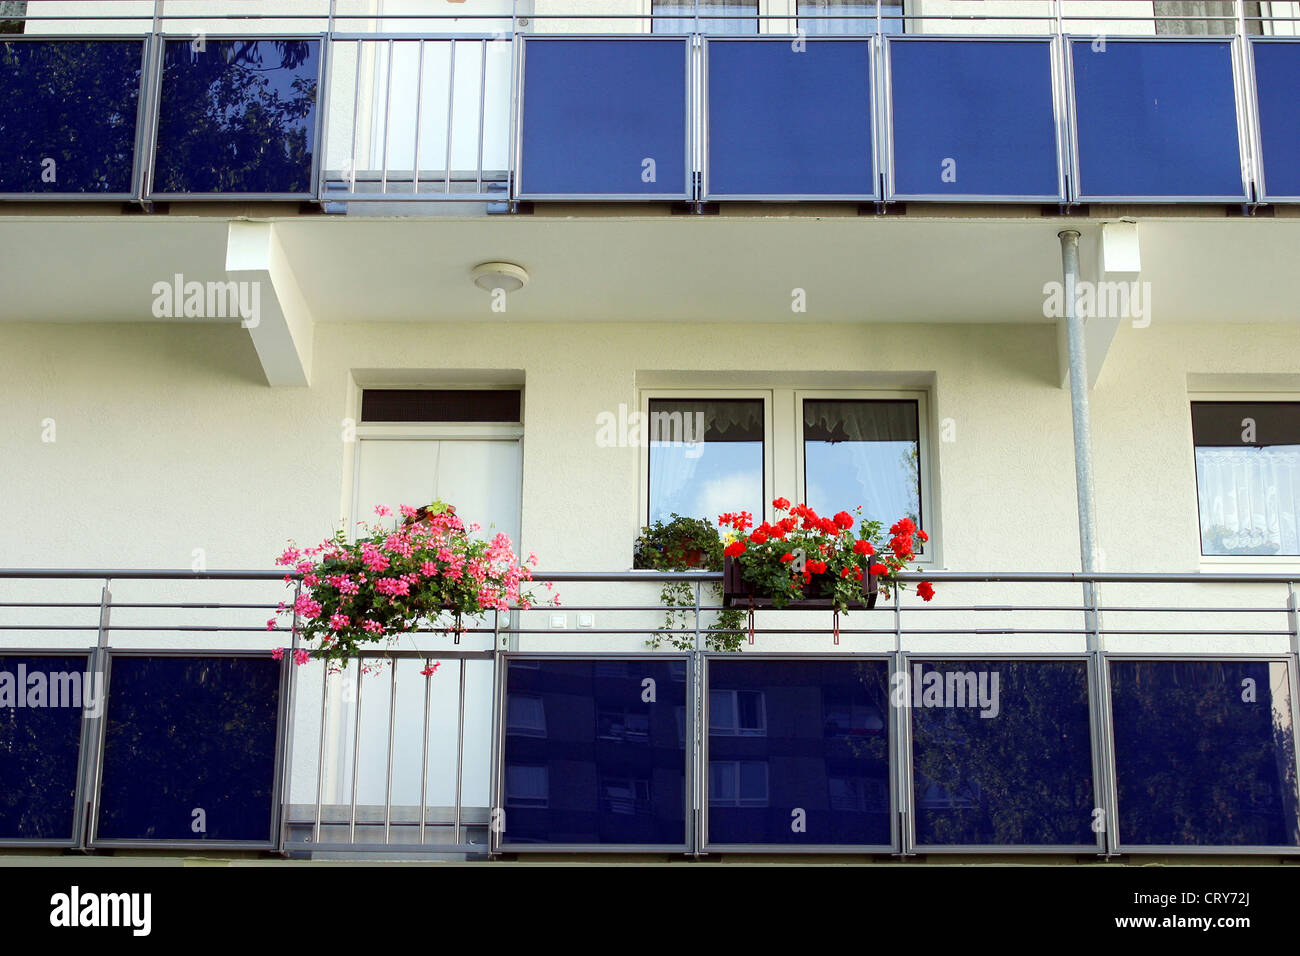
(496, 103)
(1009, 719)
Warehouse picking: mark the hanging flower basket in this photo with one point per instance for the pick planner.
(737, 592)
(804, 561)
(393, 581)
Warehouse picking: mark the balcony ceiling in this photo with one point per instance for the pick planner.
(679, 268)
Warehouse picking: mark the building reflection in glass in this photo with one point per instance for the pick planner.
(798, 752)
(595, 752)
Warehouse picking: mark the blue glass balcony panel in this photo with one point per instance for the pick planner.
(238, 116)
(1204, 753)
(799, 753)
(790, 123)
(1156, 119)
(40, 744)
(604, 119)
(68, 115)
(1277, 78)
(595, 752)
(973, 118)
(188, 734)
(1005, 760)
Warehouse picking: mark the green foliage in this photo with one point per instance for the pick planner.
(680, 545)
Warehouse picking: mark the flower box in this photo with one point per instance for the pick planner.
(737, 592)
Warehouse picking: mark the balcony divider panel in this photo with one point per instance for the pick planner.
(41, 747)
(1058, 793)
(1155, 120)
(70, 115)
(1276, 71)
(1205, 742)
(815, 753)
(590, 741)
(197, 136)
(593, 110)
(973, 120)
(789, 124)
(218, 715)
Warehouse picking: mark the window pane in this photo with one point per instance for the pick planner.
(1011, 763)
(1248, 476)
(733, 17)
(860, 17)
(706, 457)
(1204, 753)
(836, 786)
(863, 452)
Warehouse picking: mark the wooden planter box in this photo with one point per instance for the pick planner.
(737, 592)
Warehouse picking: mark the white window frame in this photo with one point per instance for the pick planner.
(783, 456)
(1232, 562)
(926, 559)
(704, 395)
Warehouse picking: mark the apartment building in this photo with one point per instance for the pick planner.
(1022, 271)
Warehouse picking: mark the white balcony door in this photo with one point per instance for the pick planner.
(481, 477)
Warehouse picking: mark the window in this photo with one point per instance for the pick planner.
(863, 453)
(737, 713)
(717, 17)
(1248, 477)
(626, 795)
(525, 715)
(848, 718)
(738, 783)
(858, 794)
(623, 725)
(706, 457)
(847, 17)
(527, 786)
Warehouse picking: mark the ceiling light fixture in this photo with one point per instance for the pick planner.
(490, 276)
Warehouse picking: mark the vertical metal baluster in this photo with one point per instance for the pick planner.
(392, 723)
(482, 105)
(419, 119)
(460, 747)
(424, 764)
(356, 753)
(388, 113)
(451, 107)
(356, 123)
(320, 764)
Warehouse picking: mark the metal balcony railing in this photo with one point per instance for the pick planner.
(201, 740)
(429, 105)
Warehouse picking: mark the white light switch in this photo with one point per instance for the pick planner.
(559, 620)
(586, 620)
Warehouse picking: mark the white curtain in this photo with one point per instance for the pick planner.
(1249, 499)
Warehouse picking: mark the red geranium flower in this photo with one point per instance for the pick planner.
(926, 590)
(844, 519)
(863, 546)
(735, 549)
(758, 537)
(780, 504)
(879, 569)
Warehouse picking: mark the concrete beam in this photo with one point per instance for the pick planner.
(281, 327)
